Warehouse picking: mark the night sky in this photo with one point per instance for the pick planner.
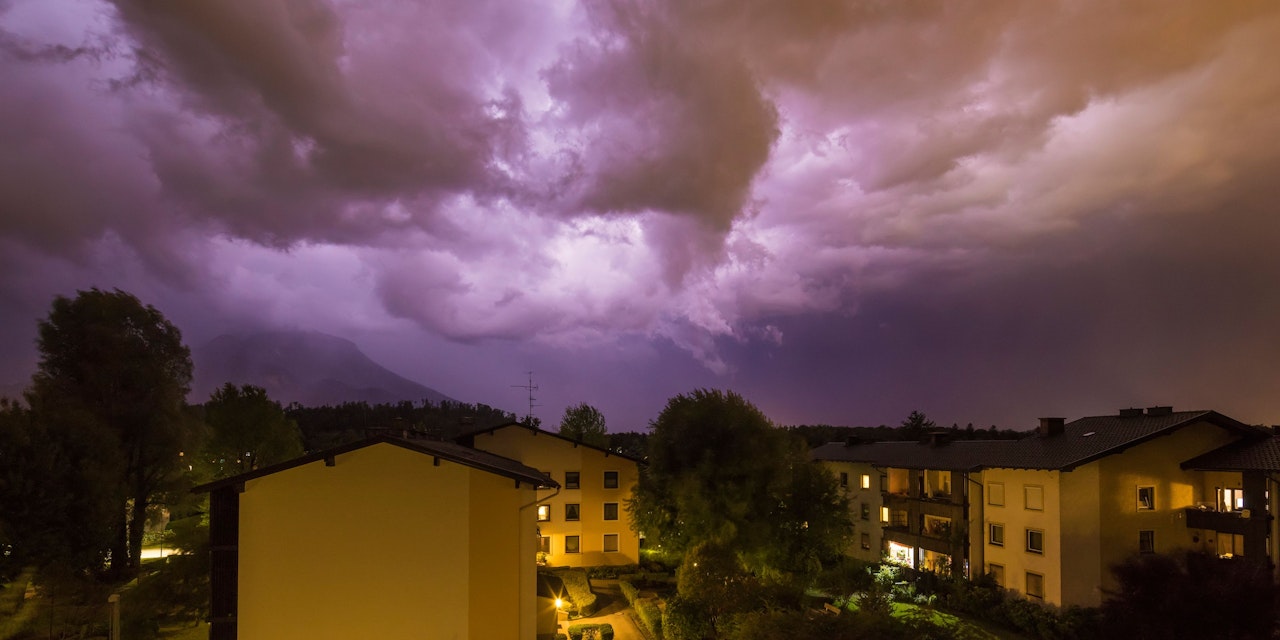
(987, 211)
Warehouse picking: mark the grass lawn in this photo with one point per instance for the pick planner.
(970, 628)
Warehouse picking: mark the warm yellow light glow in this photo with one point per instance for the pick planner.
(559, 603)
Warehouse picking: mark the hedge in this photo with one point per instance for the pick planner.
(575, 581)
(576, 631)
(629, 592)
(650, 615)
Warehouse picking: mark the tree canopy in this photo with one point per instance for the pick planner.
(585, 423)
(247, 430)
(720, 472)
(115, 372)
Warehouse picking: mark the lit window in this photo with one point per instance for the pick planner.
(611, 479)
(571, 512)
(884, 514)
(571, 544)
(610, 511)
(1035, 541)
(866, 481)
(997, 572)
(1146, 498)
(865, 511)
(995, 494)
(1033, 497)
(996, 536)
(866, 541)
(1035, 586)
(1146, 541)
(544, 513)
(844, 479)
(610, 542)
(1230, 499)
(544, 544)
(572, 479)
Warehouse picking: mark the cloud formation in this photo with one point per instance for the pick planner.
(711, 175)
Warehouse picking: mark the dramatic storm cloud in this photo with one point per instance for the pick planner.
(845, 210)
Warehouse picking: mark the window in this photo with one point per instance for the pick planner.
(1033, 497)
(610, 542)
(1230, 545)
(611, 479)
(544, 513)
(866, 541)
(884, 514)
(571, 512)
(997, 572)
(866, 481)
(995, 494)
(571, 544)
(1146, 541)
(844, 479)
(1035, 541)
(572, 479)
(996, 534)
(865, 511)
(610, 511)
(1035, 586)
(1230, 499)
(544, 544)
(1146, 498)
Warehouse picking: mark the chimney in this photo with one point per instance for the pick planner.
(938, 438)
(1131, 412)
(1159, 411)
(1051, 427)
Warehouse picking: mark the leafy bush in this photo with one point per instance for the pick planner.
(629, 592)
(579, 588)
(685, 619)
(561, 636)
(604, 631)
(650, 616)
(610, 572)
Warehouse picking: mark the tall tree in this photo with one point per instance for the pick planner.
(916, 425)
(121, 368)
(719, 472)
(585, 423)
(247, 430)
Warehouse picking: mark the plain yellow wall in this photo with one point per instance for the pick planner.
(382, 545)
(555, 456)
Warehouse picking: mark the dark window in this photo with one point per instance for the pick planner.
(865, 511)
(997, 534)
(1035, 586)
(544, 544)
(1146, 541)
(571, 544)
(1146, 498)
(544, 513)
(611, 479)
(866, 541)
(844, 479)
(1035, 541)
(610, 511)
(571, 512)
(610, 542)
(571, 479)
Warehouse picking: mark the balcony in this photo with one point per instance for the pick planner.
(1225, 521)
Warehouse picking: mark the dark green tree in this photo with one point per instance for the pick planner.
(247, 430)
(117, 370)
(720, 472)
(916, 425)
(584, 423)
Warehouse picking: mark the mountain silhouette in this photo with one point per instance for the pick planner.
(307, 367)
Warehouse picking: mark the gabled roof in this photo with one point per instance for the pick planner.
(1245, 455)
(1081, 441)
(468, 439)
(450, 451)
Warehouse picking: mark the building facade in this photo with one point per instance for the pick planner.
(583, 521)
(1050, 514)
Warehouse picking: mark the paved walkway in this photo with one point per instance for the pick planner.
(612, 608)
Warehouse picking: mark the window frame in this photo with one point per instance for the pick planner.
(865, 541)
(1037, 532)
(577, 544)
(606, 511)
(544, 544)
(544, 513)
(575, 482)
(614, 476)
(617, 540)
(576, 508)
(864, 511)
(991, 534)
(844, 479)
(1027, 490)
(866, 481)
(1151, 502)
(991, 494)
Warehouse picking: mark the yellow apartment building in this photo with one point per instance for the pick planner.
(1048, 515)
(383, 538)
(583, 521)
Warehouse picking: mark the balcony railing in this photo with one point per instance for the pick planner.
(1240, 522)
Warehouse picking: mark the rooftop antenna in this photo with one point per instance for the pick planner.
(530, 387)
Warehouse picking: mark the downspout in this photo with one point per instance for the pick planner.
(982, 525)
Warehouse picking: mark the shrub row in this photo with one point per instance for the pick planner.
(611, 571)
(629, 591)
(605, 630)
(650, 615)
